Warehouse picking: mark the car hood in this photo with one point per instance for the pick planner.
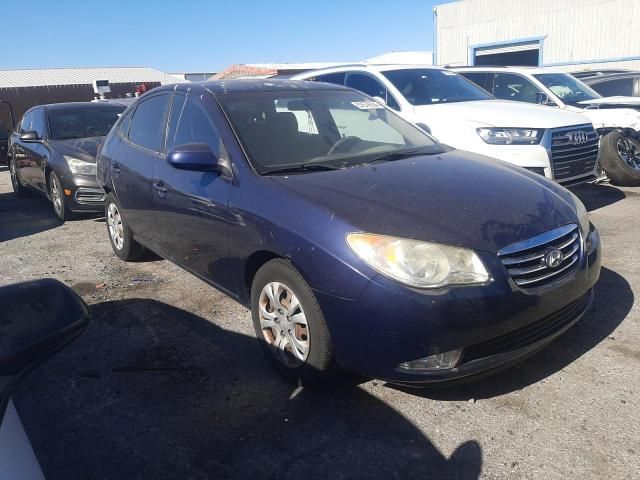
(455, 198)
(621, 101)
(501, 113)
(83, 148)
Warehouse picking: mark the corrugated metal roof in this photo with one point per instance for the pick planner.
(38, 77)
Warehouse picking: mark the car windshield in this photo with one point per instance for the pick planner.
(567, 88)
(65, 124)
(428, 86)
(320, 129)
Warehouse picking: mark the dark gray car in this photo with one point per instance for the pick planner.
(53, 151)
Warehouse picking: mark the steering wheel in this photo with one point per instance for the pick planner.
(343, 142)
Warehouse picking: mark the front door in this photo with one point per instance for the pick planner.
(132, 166)
(191, 206)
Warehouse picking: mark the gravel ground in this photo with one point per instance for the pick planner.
(168, 381)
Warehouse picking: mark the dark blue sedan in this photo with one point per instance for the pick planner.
(355, 238)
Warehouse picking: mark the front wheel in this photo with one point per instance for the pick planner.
(620, 158)
(290, 326)
(120, 235)
(56, 193)
(18, 188)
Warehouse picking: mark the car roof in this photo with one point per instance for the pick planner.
(72, 105)
(525, 70)
(225, 87)
(601, 77)
(374, 67)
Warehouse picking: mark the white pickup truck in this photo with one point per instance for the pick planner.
(558, 144)
(616, 119)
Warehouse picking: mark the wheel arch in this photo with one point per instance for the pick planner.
(254, 262)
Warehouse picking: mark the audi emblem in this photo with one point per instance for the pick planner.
(578, 138)
(553, 258)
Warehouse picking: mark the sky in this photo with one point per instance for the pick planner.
(207, 36)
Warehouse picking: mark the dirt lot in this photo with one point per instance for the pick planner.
(168, 381)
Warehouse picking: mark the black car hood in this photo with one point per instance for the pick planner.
(82, 148)
(456, 198)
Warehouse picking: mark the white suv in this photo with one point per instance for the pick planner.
(616, 119)
(558, 144)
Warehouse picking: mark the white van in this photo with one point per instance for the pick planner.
(558, 144)
(616, 119)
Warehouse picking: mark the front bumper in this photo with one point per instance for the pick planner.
(496, 325)
(82, 193)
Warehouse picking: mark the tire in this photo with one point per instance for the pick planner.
(309, 367)
(58, 200)
(119, 233)
(620, 158)
(18, 188)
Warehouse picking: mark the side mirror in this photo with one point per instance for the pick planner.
(380, 100)
(194, 156)
(543, 99)
(36, 320)
(30, 137)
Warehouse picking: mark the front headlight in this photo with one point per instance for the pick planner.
(511, 136)
(418, 264)
(583, 215)
(80, 167)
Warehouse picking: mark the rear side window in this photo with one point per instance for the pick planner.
(146, 125)
(618, 87)
(190, 123)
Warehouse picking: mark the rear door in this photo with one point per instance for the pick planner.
(133, 162)
(191, 206)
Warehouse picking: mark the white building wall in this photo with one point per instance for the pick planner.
(574, 33)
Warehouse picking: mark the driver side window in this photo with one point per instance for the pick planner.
(25, 124)
(509, 86)
(372, 87)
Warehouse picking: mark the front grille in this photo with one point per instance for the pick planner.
(89, 195)
(528, 334)
(574, 152)
(527, 261)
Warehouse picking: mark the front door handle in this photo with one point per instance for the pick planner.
(115, 168)
(160, 188)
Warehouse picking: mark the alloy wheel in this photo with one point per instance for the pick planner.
(56, 195)
(629, 152)
(284, 324)
(114, 222)
(14, 176)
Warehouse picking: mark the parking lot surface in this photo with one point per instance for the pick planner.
(169, 382)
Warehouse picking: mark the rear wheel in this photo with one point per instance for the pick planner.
(18, 188)
(290, 326)
(56, 193)
(120, 235)
(620, 158)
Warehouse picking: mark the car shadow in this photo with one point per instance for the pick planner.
(154, 391)
(596, 196)
(613, 300)
(21, 217)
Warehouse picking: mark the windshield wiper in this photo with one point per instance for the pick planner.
(391, 156)
(308, 167)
